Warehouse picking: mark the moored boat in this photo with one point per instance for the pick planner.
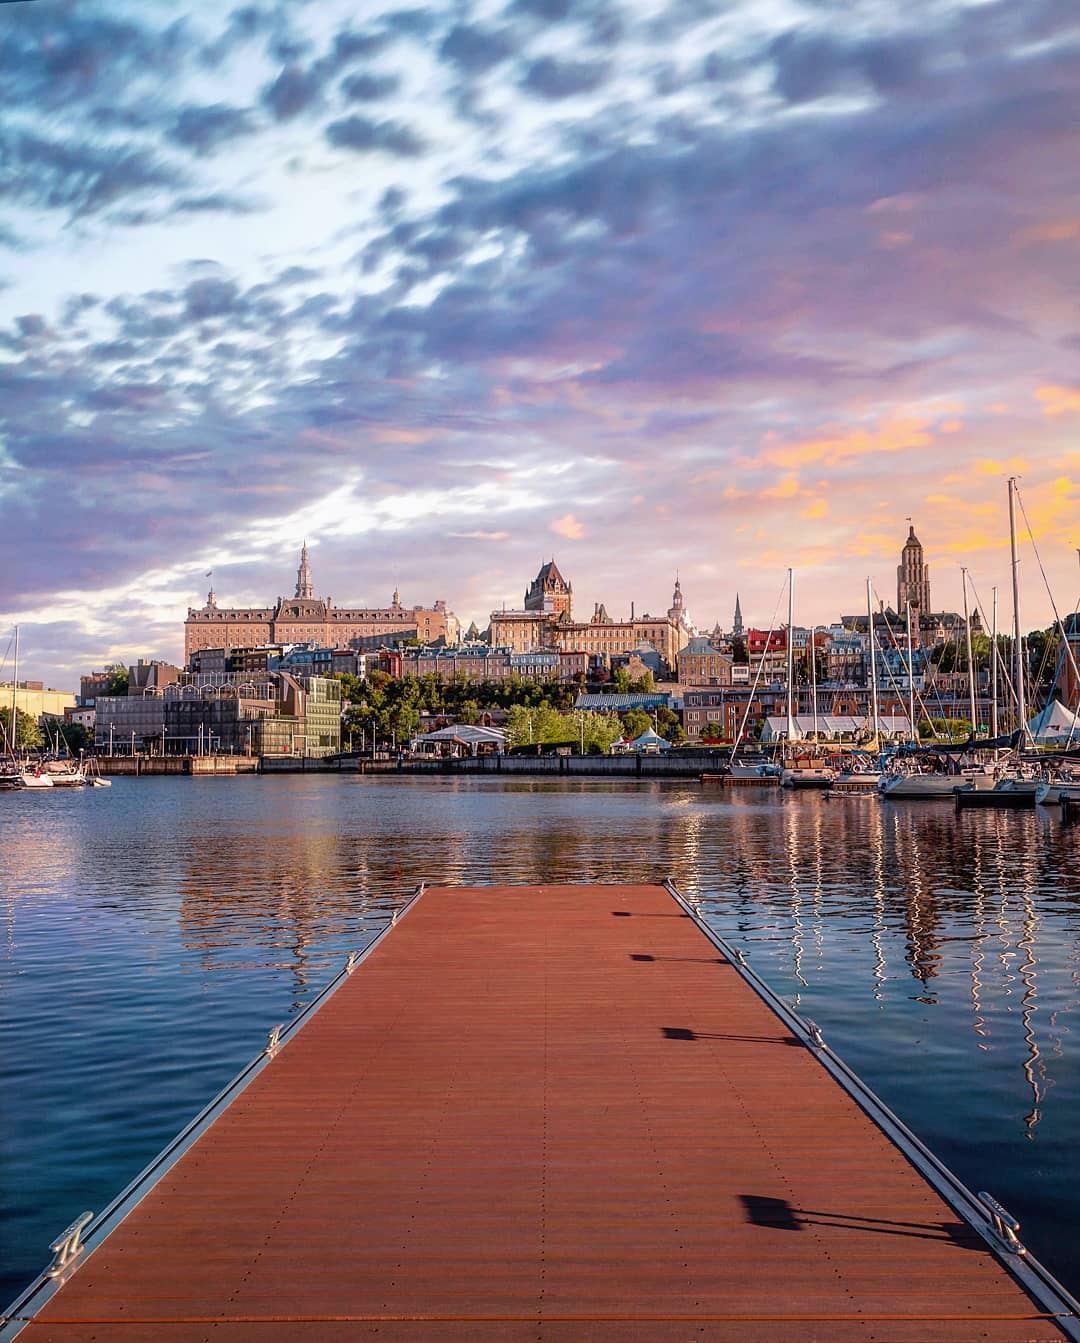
(1001, 796)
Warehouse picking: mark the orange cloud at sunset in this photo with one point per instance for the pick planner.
(1059, 400)
(897, 435)
(569, 526)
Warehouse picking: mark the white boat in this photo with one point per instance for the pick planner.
(928, 785)
(807, 776)
(33, 778)
(64, 774)
(857, 781)
(762, 770)
(1049, 792)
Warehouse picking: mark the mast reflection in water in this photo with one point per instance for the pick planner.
(155, 930)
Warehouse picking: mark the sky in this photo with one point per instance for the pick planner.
(707, 289)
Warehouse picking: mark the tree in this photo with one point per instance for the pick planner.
(28, 736)
(738, 650)
(74, 736)
(118, 679)
(635, 722)
(602, 731)
(622, 681)
(644, 685)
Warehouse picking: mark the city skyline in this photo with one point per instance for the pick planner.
(448, 292)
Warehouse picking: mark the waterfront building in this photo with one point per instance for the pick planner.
(622, 702)
(97, 683)
(767, 649)
(715, 713)
(34, 699)
(702, 663)
(258, 713)
(304, 618)
(151, 675)
(81, 716)
(474, 663)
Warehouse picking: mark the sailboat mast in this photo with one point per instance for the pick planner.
(994, 672)
(910, 677)
(790, 653)
(813, 676)
(14, 735)
(873, 656)
(970, 659)
(1021, 708)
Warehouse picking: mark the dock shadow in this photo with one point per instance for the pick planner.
(684, 1033)
(641, 914)
(781, 1215)
(681, 960)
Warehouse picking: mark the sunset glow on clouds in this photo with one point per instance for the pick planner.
(651, 287)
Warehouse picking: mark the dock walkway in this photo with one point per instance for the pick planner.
(546, 1113)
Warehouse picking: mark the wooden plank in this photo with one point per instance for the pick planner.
(548, 1113)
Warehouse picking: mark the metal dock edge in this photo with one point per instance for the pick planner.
(30, 1301)
(980, 1212)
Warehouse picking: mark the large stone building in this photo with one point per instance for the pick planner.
(550, 592)
(547, 622)
(305, 618)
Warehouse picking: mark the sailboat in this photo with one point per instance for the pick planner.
(19, 774)
(811, 773)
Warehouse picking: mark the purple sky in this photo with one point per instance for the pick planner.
(447, 290)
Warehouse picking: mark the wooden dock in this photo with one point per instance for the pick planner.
(545, 1113)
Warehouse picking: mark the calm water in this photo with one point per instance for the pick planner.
(153, 932)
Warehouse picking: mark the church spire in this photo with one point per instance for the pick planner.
(304, 586)
(737, 629)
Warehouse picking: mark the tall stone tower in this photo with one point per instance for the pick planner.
(304, 587)
(913, 576)
(676, 610)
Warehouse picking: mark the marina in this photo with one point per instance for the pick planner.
(538, 1112)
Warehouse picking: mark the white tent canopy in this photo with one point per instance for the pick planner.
(831, 727)
(1054, 724)
(465, 737)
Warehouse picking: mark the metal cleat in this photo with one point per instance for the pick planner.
(1003, 1225)
(67, 1246)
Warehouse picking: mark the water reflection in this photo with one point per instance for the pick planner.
(939, 953)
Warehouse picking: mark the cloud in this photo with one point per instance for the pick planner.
(292, 92)
(364, 135)
(475, 49)
(892, 436)
(78, 176)
(568, 526)
(204, 129)
(1059, 400)
(369, 88)
(549, 77)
